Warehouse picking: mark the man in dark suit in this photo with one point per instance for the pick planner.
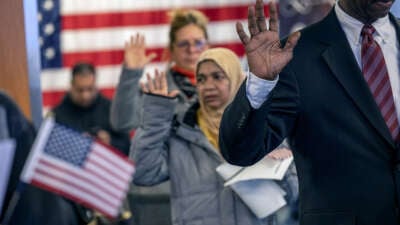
(333, 103)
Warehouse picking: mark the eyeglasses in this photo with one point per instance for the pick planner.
(197, 43)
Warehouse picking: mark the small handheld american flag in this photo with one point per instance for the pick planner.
(79, 168)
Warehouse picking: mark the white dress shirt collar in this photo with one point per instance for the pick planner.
(353, 26)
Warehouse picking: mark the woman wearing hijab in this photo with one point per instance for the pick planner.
(184, 148)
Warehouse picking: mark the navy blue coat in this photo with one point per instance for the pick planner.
(344, 154)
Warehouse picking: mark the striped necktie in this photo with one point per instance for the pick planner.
(377, 77)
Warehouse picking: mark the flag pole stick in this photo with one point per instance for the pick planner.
(13, 203)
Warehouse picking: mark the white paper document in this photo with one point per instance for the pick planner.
(263, 197)
(7, 150)
(266, 168)
(256, 185)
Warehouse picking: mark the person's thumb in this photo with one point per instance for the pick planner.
(151, 57)
(173, 93)
(292, 41)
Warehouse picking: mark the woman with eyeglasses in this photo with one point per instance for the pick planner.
(188, 38)
(184, 148)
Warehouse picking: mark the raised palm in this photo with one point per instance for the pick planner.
(266, 57)
(157, 85)
(135, 52)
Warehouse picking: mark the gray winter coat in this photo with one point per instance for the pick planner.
(178, 151)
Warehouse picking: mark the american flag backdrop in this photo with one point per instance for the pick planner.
(96, 30)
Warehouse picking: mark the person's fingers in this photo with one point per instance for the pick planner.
(252, 22)
(135, 40)
(150, 83)
(173, 93)
(157, 80)
(288, 153)
(292, 41)
(151, 57)
(260, 17)
(273, 17)
(272, 155)
(241, 33)
(141, 41)
(128, 44)
(284, 149)
(280, 153)
(164, 85)
(284, 153)
(143, 86)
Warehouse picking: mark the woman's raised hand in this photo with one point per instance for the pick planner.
(135, 52)
(157, 85)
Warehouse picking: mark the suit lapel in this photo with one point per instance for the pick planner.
(348, 74)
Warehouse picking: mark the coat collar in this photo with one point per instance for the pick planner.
(348, 73)
(68, 102)
(186, 128)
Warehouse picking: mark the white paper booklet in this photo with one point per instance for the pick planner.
(256, 185)
(263, 197)
(266, 168)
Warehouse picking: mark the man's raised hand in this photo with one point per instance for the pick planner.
(265, 55)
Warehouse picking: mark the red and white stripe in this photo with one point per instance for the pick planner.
(96, 30)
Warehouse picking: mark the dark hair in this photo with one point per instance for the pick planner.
(181, 18)
(83, 68)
